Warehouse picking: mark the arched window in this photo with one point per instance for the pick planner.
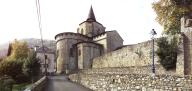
(81, 31)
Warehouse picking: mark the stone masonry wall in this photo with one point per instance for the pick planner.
(132, 82)
(39, 85)
(86, 52)
(130, 70)
(139, 55)
(131, 55)
(50, 61)
(65, 42)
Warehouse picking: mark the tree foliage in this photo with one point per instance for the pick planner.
(169, 13)
(19, 50)
(6, 83)
(31, 66)
(21, 70)
(22, 63)
(167, 52)
(12, 68)
(9, 49)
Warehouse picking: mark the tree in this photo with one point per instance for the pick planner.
(12, 68)
(19, 50)
(169, 13)
(9, 49)
(12, 65)
(6, 83)
(167, 52)
(31, 66)
(21, 64)
(21, 70)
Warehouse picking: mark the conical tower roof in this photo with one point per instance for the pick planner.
(91, 16)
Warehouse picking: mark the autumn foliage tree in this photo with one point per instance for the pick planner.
(19, 50)
(169, 13)
(21, 63)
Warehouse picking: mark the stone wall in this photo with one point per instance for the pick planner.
(180, 65)
(140, 55)
(132, 82)
(50, 61)
(65, 42)
(39, 85)
(110, 40)
(90, 28)
(102, 39)
(131, 55)
(186, 29)
(130, 70)
(86, 52)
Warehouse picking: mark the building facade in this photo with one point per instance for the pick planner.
(47, 58)
(77, 50)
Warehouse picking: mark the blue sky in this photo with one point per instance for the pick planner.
(133, 19)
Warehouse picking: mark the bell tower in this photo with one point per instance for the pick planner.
(91, 27)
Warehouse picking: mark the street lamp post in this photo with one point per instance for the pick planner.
(45, 64)
(153, 33)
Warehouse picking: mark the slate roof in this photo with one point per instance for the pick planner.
(91, 15)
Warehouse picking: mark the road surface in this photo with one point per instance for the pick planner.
(61, 83)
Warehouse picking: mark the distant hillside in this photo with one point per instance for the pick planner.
(51, 44)
(32, 42)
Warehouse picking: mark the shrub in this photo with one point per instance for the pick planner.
(31, 66)
(6, 83)
(167, 52)
(12, 68)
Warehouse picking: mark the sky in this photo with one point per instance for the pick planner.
(133, 19)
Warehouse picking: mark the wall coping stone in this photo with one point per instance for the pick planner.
(38, 86)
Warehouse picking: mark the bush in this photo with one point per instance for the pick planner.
(21, 70)
(6, 83)
(12, 68)
(22, 63)
(167, 52)
(31, 66)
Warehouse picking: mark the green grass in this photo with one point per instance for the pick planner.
(20, 87)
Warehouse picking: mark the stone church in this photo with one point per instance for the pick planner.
(77, 50)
